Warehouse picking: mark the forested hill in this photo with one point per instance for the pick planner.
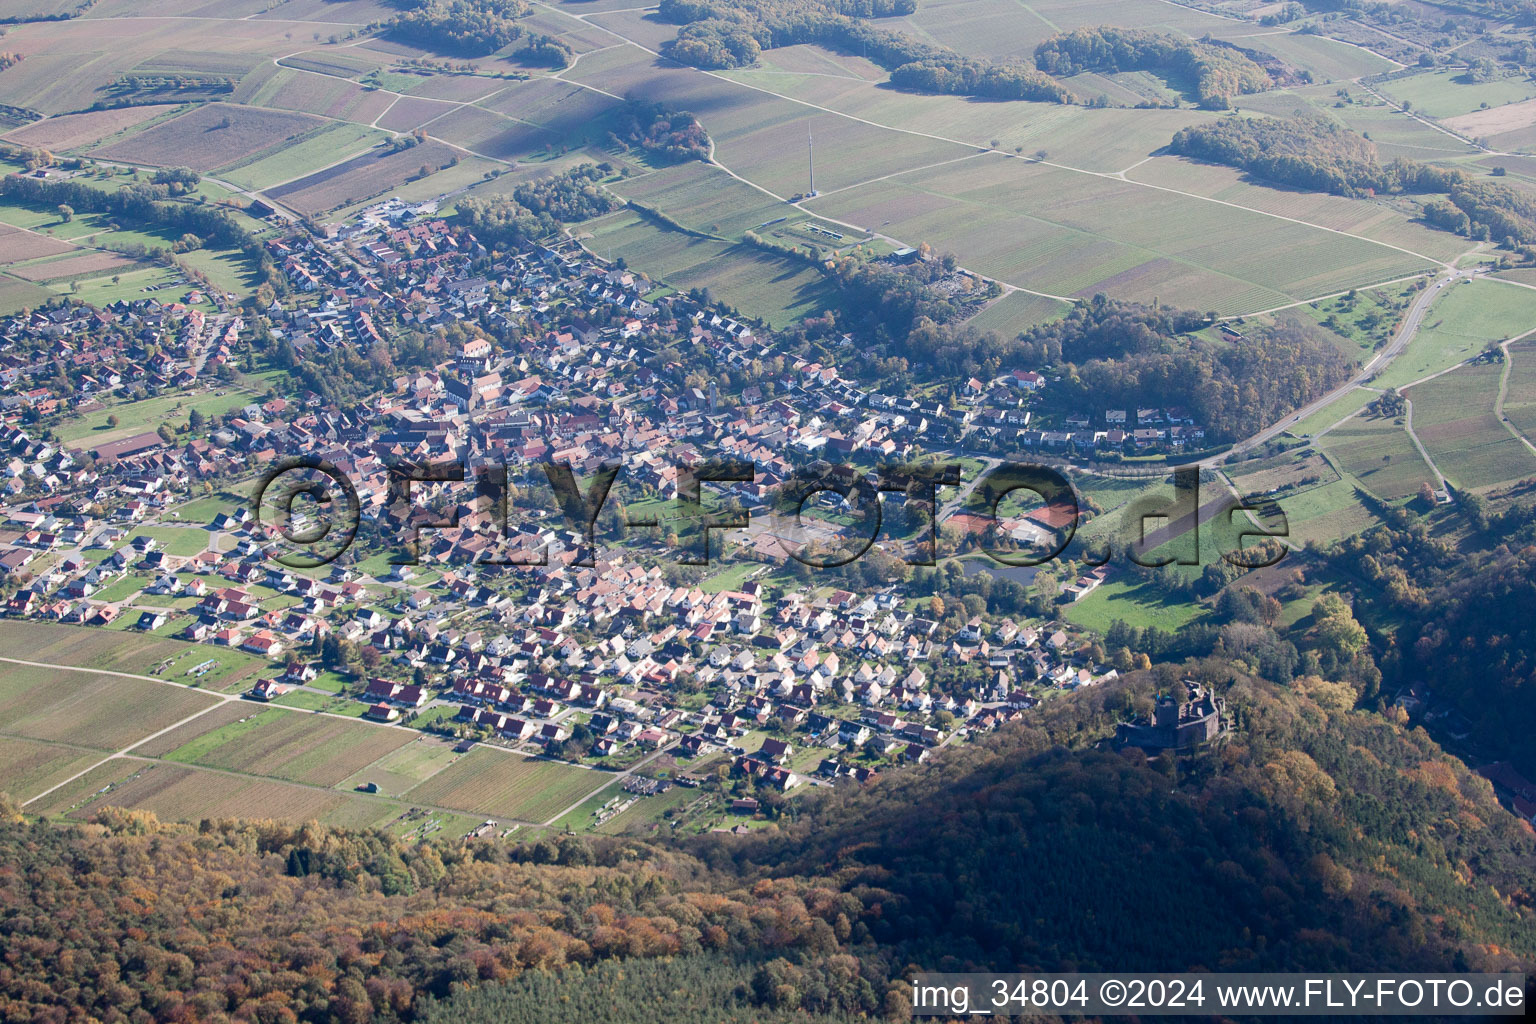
(1464, 613)
(1319, 837)
(1316, 837)
(1110, 352)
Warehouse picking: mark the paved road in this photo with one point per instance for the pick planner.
(1394, 348)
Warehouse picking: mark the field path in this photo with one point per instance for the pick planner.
(618, 777)
(1498, 404)
(1405, 334)
(221, 699)
(1423, 452)
(586, 19)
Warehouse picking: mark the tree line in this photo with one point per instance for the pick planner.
(537, 208)
(716, 34)
(146, 204)
(1318, 155)
(1318, 836)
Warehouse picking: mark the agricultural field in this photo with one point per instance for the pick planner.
(32, 767)
(1329, 60)
(407, 113)
(86, 264)
(1002, 28)
(501, 785)
(1017, 312)
(209, 136)
(1375, 220)
(1379, 453)
(491, 135)
(1506, 127)
(1520, 395)
(362, 177)
(18, 245)
(1103, 140)
(88, 709)
(212, 723)
(315, 749)
(1062, 233)
(1284, 472)
(406, 767)
(1454, 418)
(1449, 95)
(73, 131)
(182, 793)
(16, 295)
(567, 109)
(135, 653)
(705, 198)
(333, 145)
(91, 785)
(778, 289)
(1325, 513)
(284, 88)
(1459, 325)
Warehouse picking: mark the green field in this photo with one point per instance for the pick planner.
(1446, 93)
(504, 785)
(1379, 453)
(1351, 402)
(1133, 602)
(1017, 312)
(182, 541)
(1368, 320)
(1458, 326)
(334, 144)
(1453, 417)
(1325, 513)
(777, 289)
(146, 415)
(16, 295)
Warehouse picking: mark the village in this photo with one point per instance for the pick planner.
(598, 657)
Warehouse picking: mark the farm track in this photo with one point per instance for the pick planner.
(1498, 404)
(1414, 437)
(587, 20)
(222, 699)
(1400, 341)
(1008, 287)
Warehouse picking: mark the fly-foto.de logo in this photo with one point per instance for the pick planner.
(313, 512)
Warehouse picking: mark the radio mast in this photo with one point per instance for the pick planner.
(810, 156)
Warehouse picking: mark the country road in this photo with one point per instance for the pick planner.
(1405, 334)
